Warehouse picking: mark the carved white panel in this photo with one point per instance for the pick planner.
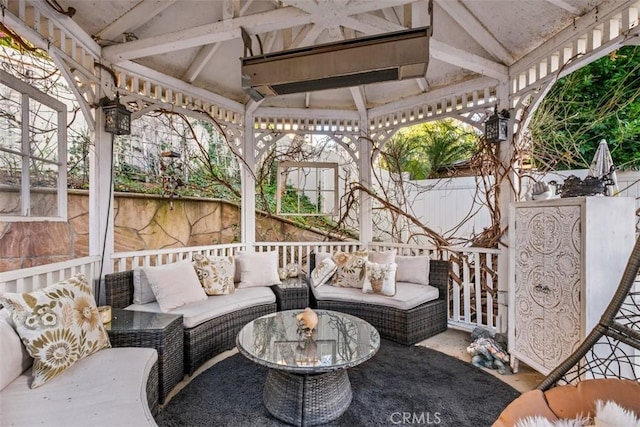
(547, 283)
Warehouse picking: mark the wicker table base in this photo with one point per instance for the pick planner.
(307, 400)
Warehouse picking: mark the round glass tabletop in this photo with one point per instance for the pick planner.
(339, 341)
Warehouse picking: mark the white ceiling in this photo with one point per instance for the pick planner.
(199, 41)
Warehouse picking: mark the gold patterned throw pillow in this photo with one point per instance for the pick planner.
(59, 325)
(380, 279)
(215, 273)
(351, 269)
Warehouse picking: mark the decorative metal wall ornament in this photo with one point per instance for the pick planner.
(589, 186)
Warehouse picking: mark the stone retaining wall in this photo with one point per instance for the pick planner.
(141, 222)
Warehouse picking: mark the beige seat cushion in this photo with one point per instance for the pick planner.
(408, 295)
(199, 312)
(105, 388)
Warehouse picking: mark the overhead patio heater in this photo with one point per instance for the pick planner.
(379, 58)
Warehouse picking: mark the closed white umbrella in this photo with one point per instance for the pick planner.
(602, 164)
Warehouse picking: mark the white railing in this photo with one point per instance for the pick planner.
(29, 279)
(473, 286)
(473, 292)
(123, 261)
(298, 252)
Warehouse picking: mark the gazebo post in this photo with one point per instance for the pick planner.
(247, 171)
(101, 227)
(364, 173)
(507, 192)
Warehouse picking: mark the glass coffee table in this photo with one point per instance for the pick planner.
(307, 383)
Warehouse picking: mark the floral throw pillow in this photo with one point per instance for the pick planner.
(215, 274)
(323, 272)
(380, 279)
(351, 269)
(59, 325)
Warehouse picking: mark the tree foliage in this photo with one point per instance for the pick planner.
(424, 149)
(598, 101)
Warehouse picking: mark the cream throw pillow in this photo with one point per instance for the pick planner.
(258, 269)
(142, 292)
(323, 272)
(215, 273)
(175, 285)
(351, 269)
(413, 269)
(58, 325)
(380, 279)
(385, 257)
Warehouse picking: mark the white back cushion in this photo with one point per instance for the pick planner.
(15, 358)
(175, 285)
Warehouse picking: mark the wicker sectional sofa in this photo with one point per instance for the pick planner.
(210, 327)
(403, 325)
(113, 386)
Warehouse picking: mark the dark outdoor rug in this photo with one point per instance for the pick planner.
(398, 386)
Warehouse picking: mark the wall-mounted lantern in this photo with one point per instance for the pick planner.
(496, 126)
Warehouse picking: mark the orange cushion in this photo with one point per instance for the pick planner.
(571, 401)
(529, 404)
(580, 401)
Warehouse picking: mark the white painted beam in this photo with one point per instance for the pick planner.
(357, 92)
(566, 6)
(475, 29)
(588, 21)
(205, 34)
(390, 15)
(369, 24)
(87, 110)
(202, 58)
(133, 18)
(228, 11)
(307, 113)
(422, 84)
(73, 29)
(269, 40)
(434, 95)
(181, 86)
(285, 17)
(252, 106)
(467, 60)
(307, 35)
(244, 8)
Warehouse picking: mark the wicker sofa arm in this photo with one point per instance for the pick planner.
(119, 289)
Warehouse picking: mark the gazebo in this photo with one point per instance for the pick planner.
(355, 71)
(468, 59)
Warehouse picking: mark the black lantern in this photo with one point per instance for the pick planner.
(495, 128)
(117, 119)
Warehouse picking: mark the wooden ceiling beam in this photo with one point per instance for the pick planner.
(469, 23)
(278, 19)
(258, 23)
(133, 18)
(359, 98)
(566, 6)
(202, 58)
